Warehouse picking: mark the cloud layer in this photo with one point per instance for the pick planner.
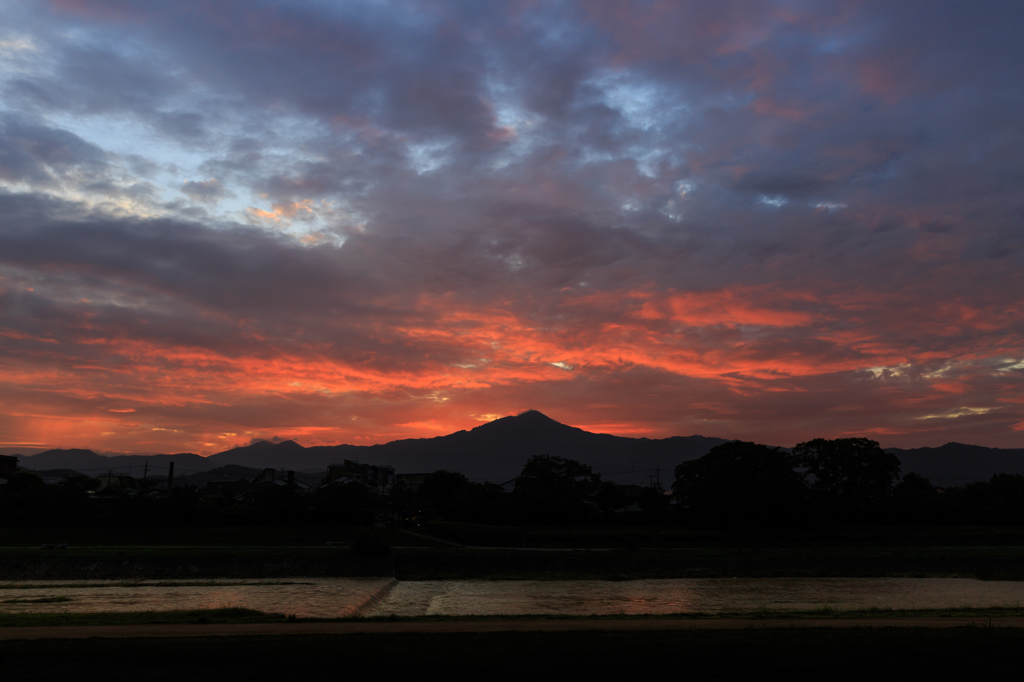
(362, 221)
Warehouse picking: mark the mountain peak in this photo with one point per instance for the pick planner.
(534, 416)
(531, 419)
(264, 444)
(65, 451)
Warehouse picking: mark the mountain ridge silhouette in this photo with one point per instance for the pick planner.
(498, 449)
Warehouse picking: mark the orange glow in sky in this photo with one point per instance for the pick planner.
(771, 221)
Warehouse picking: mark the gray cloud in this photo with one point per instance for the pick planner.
(855, 166)
(36, 154)
(204, 191)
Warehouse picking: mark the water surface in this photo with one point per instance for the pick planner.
(303, 597)
(721, 595)
(336, 597)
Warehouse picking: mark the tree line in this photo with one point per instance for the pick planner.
(737, 485)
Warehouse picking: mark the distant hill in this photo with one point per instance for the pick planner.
(497, 450)
(957, 463)
(494, 451)
(92, 464)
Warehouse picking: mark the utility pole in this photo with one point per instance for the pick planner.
(145, 470)
(170, 477)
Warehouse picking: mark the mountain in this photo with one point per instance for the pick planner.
(957, 463)
(89, 463)
(494, 451)
(266, 454)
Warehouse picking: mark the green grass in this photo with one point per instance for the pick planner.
(666, 537)
(281, 553)
(241, 615)
(476, 534)
(269, 562)
(273, 536)
(994, 562)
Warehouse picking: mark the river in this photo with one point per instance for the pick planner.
(337, 597)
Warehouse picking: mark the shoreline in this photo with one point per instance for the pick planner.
(280, 563)
(489, 626)
(245, 616)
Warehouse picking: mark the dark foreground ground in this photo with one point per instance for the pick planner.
(445, 563)
(783, 651)
(549, 554)
(791, 653)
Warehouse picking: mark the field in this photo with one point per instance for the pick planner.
(545, 554)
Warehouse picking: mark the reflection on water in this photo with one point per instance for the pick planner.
(593, 597)
(334, 597)
(304, 597)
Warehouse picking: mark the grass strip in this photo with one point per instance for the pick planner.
(190, 617)
(242, 615)
(132, 583)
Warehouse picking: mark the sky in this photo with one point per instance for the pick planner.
(353, 222)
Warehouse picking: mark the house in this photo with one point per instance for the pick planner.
(8, 465)
(111, 482)
(411, 481)
(345, 479)
(227, 488)
(631, 493)
(509, 486)
(272, 477)
(380, 478)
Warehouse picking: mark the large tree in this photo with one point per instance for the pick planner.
(745, 486)
(450, 496)
(849, 475)
(556, 490)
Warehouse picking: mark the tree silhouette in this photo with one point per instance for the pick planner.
(849, 475)
(556, 490)
(745, 486)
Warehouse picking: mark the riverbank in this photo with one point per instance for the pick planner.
(452, 563)
(440, 534)
(460, 551)
(240, 616)
(483, 626)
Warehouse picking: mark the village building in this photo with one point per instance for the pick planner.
(8, 465)
(379, 477)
